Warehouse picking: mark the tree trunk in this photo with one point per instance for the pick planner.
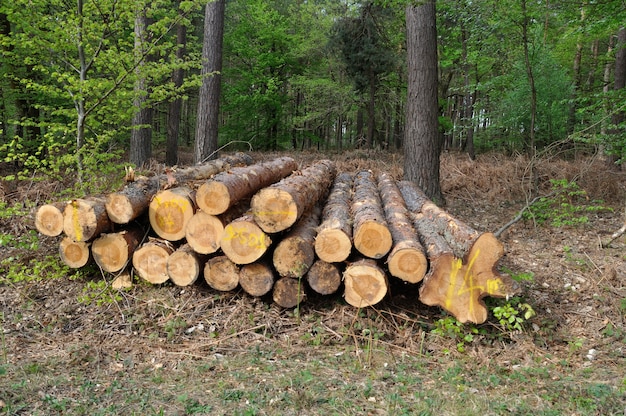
(204, 232)
(150, 260)
(141, 132)
(371, 232)
(619, 82)
(170, 211)
(134, 199)
(288, 292)
(113, 252)
(244, 242)
(173, 116)
(85, 219)
(406, 259)
(295, 253)
(75, 254)
(209, 96)
(278, 206)
(323, 277)
(49, 219)
(421, 143)
(531, 80)
(221, 273)
(184, 265)
(334, 237)
(365, 283)
(227, 188)
(256, 279)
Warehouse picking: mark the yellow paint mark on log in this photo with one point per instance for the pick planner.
(78, 230)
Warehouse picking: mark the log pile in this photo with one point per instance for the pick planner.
(283, 231)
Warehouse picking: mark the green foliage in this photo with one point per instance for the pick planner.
(99, 293)
(512, 318)
(450, 327)
(567, 205)
(35, 270)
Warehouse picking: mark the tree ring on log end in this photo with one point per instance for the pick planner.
(109, 254)
(169, 218)
(364, 287)
(212, 197)
(373, 240)
(333, 246)
(274, 210)
(408, 264)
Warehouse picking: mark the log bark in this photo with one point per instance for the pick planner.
(170, 211)
(372, 237)
(221, 273)
(406, 259)
(295, 253)
(204, 232)
(278, 206)
(334, 237)
(462, 261)
(133, 201)
(113, 252)
(243, 241)
(184, 265)
(85, 219)
(365, 283)
(227, 188)
(288, 292)
(150, 260)
(75, 254)
(256, 279)
(323, 277)
(49, 219)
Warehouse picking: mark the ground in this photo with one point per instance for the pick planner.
(71, 345)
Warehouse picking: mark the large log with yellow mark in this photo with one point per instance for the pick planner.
(372, 237)
(243, 241)
(279, 206)
(133, 201)
(462, 260)
(170, 211)
(227, 188)
(85, 219)
(333, 242)
(406, 260)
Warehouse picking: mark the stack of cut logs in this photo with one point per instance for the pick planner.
(274, 228)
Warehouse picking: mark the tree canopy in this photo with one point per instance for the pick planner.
(513, 76)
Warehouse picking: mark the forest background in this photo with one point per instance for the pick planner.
(102, 80)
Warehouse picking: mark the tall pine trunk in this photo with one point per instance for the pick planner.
(421, 145)
(173, 119)
(209, 98)
(141, 134)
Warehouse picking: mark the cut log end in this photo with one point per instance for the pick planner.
(49, 220)
(204, 232)
(333, 245)
(112, 252)
(183, 266)
(85, 219)
(293, 257)
(408, 264)
(288, 292)
(256, 279)
(150, 262)
(169, 213)
(459, 286)
(119, 208)
(324, 278)
(213, 197)
(274, 210)
(221, 273)
(365, 283)
(244, 242)
(373, 240)
(75, 254)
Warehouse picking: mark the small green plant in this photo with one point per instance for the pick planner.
(450, 327)
(99, 293)
(567, 205)
(511, 317)
(50, 267)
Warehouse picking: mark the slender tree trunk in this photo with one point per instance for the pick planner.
(421, 145)
(571, 120)
(371, 112)
(173, 120)
(531, 80)
(619, 82)
(209, 99)
(141, 134)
